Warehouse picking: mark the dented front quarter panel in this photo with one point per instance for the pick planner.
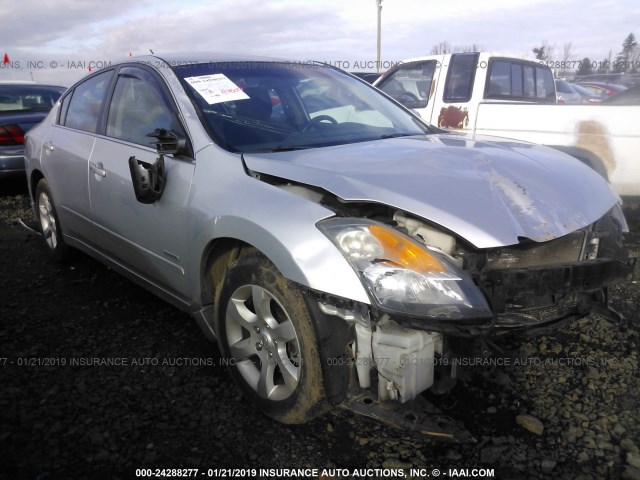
(491, 193)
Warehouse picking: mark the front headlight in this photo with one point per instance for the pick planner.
(403, 276)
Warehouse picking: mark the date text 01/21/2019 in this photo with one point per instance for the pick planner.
(267, 472)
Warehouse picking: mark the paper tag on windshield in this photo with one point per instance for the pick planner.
(216, 88)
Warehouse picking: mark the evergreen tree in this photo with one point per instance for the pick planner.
(585, 67)
(623, 59)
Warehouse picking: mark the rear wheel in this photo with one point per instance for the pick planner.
(265, 331)
(48, 220)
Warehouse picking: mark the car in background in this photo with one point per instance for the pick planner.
(22, 105)
(602, 89)
(339, 249)
(631, 96)
(623, 79)
(586, 96)
(565, 93)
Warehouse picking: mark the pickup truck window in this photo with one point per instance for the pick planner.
(460, 77)
(510, 79)
(516, 80)
(529, 82)
(411, 83)
(545, 86)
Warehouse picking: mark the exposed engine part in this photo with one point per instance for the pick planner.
(561, 251)
(403, 357)
(345, 314)
(591, 249)
(303, 191)
(426, 234)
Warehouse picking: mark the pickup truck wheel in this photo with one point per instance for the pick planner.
(48, 220)
(265, 331)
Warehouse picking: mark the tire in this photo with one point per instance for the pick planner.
(271, 349)
(588, 158)
(49, 223)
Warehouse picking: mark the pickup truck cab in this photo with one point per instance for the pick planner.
(500, 95)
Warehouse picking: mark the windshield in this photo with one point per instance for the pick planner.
(267, 106)
(28, 98)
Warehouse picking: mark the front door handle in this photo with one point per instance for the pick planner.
(98, 169)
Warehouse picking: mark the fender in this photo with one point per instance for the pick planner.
(305, 256)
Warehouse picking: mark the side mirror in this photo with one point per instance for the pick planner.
(148, 179)
(168, 141)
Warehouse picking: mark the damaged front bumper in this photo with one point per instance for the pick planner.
(532, 300)
(388, 360)
(534, 286)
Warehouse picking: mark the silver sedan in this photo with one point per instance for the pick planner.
(340, 250)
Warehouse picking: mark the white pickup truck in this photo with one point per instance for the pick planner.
(491, 94)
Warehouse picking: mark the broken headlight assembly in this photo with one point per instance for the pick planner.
(404, 277)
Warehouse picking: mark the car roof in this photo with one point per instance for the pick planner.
(28, 84)
(599, 83)
(612, 86)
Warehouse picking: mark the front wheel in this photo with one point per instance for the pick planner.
(265, 331)
(48, 220)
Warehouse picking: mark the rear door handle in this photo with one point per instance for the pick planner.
(98, 169)
(49, 146)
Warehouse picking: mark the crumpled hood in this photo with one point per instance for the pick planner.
(491, 193)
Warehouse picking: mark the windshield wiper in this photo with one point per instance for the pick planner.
(398, 135)
(285, 148)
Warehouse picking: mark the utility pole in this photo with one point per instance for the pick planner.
(379, 7)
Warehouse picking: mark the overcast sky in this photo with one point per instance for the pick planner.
(57, 40)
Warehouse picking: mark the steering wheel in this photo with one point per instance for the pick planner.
(407, 97)
(318, 119)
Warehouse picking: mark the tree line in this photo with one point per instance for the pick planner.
(626, 61)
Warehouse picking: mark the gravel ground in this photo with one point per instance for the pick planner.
(565, 407)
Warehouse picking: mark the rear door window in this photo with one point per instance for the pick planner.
(460, 77)
(86, 103)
